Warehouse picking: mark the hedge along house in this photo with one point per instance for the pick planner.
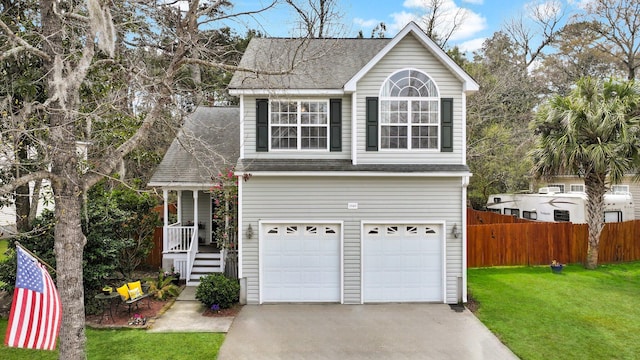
(208, 144)
(356, 151)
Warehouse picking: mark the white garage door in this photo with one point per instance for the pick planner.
(402, 262)
(300, 263)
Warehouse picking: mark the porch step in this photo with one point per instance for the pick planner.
(203, 265)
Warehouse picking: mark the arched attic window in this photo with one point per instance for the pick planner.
(409, 111)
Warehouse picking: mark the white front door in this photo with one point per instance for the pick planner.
(300, 262)
(402, 262)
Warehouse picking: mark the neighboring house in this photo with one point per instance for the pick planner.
(8, 212)
(574, 183)
(45, 200)
(358, 174)
(207, 145)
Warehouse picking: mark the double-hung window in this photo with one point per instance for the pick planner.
(409, 112)
(299, 125)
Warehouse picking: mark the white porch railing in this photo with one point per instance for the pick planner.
(191, 254)
(179, 238)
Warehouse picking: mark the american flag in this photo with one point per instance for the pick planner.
(36, 311)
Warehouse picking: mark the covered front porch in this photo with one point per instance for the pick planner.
(190, 243)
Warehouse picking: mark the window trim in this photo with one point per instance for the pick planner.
(572, 190)
(562, 187)
(511, 211)
(561, 216)
(409, 125)
(625, 188)
(530, 215)
(298, 125)
(618, 214)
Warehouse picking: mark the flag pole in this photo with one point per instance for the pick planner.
(35, 256)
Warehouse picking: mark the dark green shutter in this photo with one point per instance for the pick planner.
(335, 125)
(372, 124)
(446, 125)
(262, 125)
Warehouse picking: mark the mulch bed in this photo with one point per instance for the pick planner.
(472, 304)
(139, 317)
(232, 311)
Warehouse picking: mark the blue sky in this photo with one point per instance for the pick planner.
(483, 17)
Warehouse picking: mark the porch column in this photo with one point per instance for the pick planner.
(165, 215)
(195, 218)
(179, 210)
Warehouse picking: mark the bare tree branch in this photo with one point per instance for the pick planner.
(23, 45)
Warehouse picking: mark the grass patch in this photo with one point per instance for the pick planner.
(578, 314)
(130, 344)
(4, 244)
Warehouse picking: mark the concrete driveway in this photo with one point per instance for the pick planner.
(385, 331)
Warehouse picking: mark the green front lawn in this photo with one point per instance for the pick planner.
(578, 314)
(131, 345)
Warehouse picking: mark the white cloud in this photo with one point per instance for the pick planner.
(400, 20)
(370, 23)
(581, 4)
(543, 10)
(473, 23)
(181, 5)
(474, 2)
(470, 46)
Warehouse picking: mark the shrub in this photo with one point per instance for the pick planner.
(100, 258)
(162, 286)
(218, 289)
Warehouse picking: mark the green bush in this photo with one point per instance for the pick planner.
(162, 286)
(218, 289)
(100, 258)
(118, 232)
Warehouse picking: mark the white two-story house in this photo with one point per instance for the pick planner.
(354, 150)
(356, 154)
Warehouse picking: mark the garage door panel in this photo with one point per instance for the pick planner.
(402, 263)
(301, 263)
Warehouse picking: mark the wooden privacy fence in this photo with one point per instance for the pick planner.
(523, 242)
(154, 259)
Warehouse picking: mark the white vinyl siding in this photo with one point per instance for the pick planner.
(410, 53)
(379, 199)
(248, 142)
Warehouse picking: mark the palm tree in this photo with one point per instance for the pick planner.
(593, 132)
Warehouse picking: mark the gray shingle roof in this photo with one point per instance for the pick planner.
(208, 143)
(313, 63)
(319, 165)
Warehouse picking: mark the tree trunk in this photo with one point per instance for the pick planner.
(69, 249)
(67, 187)
(22, 201)
(596, 188)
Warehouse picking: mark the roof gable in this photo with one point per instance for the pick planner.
(310, 66)
(412, 28)
(207, 144)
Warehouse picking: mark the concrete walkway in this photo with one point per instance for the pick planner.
(385, 331)
(185, 315)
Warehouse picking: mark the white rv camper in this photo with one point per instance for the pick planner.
(549, 204)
